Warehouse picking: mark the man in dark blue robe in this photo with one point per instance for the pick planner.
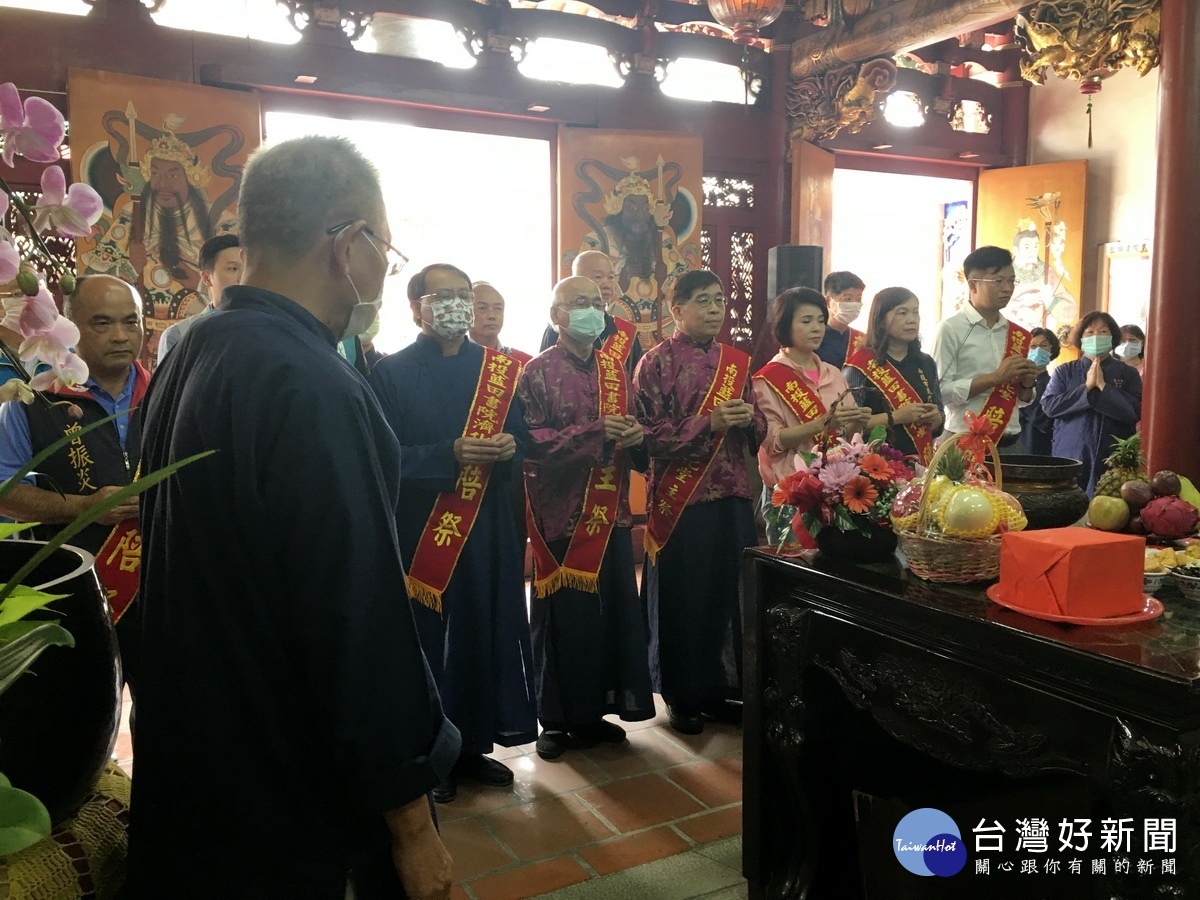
(290, 730)
(477, 642)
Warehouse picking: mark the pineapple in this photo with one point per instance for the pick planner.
(1125, 464)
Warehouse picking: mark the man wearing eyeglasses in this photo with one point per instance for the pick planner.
(452, 404)
(272, 583)
(619, 338)
(694, 397)
(981, 356)
(589, 637)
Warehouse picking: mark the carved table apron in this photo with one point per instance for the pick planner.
(864, 679)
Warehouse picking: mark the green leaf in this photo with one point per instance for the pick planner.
(23, 820)
(842, 518)
(22, 601)
(8, 529)
(94, 512)
(19, 653)
(878, 433)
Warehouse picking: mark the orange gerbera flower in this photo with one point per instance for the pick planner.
(876, 467)
(860, 495)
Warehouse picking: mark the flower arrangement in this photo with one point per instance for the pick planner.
(34, 129)
(847, 484)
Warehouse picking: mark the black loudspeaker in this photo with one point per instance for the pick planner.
(793, 265)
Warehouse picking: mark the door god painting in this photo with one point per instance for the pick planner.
(632, 195)
(167, 160)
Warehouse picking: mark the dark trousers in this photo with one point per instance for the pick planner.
(693, 605)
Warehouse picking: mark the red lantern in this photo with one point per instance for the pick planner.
(745, 17)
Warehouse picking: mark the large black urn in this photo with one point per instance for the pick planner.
(1047, 488)
(59, 720)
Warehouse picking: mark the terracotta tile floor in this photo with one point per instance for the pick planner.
(592, 816)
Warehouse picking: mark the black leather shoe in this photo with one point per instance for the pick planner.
(685, 722)
(554, 742)
(484, 770)
(446, 791)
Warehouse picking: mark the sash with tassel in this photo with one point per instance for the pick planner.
(454, 512)
(1002, 401)
(580, 568)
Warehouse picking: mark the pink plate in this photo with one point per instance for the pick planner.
(1152, 610)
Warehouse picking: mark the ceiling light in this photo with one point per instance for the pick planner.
(537, 107)
(306, 79)
(968, 154)
(882, 147)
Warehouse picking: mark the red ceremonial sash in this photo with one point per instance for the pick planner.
(619, 344)
(1002, 400)
(897, 392)
(855, 342)
(580, 568)
(117, 566)
(454, 512)
(680, 480)
(806, 405)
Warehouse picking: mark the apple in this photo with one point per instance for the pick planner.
(1109, 513)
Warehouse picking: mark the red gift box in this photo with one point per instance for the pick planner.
(1072, 571)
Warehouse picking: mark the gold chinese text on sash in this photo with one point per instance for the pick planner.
(855, 342)
(681, 478)
(454, 512)
(1002, 400)
(580, 568)
(897, 392)
(118, 565)
(619, 344)
(783, 380)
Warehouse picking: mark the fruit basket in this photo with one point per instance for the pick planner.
(953, 533)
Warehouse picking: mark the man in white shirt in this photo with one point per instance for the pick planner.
(981, 356)
(220, 266)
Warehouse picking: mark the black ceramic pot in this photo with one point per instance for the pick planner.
(1047, 488)
(59, 721)
(856, 547)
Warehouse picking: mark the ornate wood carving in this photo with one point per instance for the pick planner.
(820, 106)
(941, 713)
(1077, 38)
(326, 20)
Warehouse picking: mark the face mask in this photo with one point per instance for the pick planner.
(362, 315)
(586, 324)
(1097, 345)
(1129, 350)
(847, 312)
(368, 334)
(1039, 356)
(452, 320)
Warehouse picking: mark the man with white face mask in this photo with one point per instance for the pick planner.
(452, 404)
(843, 293)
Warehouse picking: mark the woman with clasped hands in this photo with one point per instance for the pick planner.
(1094, 400)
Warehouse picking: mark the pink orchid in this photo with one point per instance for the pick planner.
(38, 313)
(68, 372)
(10, 259)
(70, 212)
(34, 130)
(51, 345)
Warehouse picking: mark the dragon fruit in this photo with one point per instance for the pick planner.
(1170, 517)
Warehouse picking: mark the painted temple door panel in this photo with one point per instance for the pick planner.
(812, 198)
(1037, 212)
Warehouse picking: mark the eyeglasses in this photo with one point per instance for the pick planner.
(708, 302)
(583, 302)
(1011, 282)
(445, 295)
(395, 265)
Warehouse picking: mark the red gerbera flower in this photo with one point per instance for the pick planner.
(859, 494)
